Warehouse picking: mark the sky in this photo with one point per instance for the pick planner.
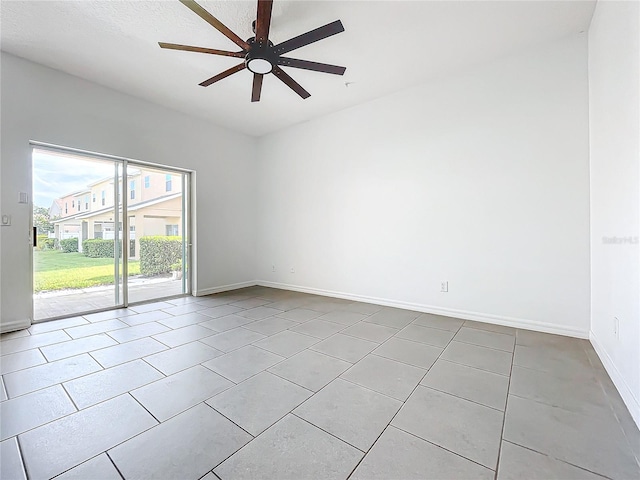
(58, 174)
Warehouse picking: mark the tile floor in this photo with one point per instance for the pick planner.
(265, 383)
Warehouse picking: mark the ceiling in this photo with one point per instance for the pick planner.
(387, 46)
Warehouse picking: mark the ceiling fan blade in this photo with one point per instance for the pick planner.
(189, 48)
(222, 75)
(307, 65)
(290, 82)
(215, 23)
(257, 87)
(310, 37)
(263, 20)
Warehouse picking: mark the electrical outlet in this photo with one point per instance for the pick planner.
(616, 327)
(444, 286)
(6, 220)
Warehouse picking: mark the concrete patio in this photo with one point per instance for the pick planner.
(75, 302)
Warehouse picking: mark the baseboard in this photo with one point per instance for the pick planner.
(464, 314)
(224, 288)
(13, 325)
(629, 399)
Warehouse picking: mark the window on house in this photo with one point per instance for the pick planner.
(73, 204)
(147, 181)
(172, 230)
(104, 197)
(86, 202)
(94, 198)
(78, 205)
(168, 182)
(65, 207)
(132, 189)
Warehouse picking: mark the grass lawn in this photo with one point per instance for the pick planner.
(55, 270)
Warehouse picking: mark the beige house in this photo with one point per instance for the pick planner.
(154, 207)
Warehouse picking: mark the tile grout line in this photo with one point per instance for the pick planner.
(333, 356)
(223, 415)
(402, 361)
(146, 409)
(555, 458)
(466, 342)
(22, 462)
(441, 447)
(370, 389)
(462, 398)
(504, 415)
(415, 341)
(70, 398)
(364, 452)
(540, 402)
(475, 368)
(226, 378)
(164, 375)
(243, 446)
(114, 464)
(297, 384)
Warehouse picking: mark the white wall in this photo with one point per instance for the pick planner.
(615, 200)
(481, 180)
(46, 105)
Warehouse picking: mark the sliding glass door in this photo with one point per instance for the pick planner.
(109, 232)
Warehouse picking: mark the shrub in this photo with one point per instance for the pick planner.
(40, 239)
(158, 254)
(43, 242)
(99, 248)
(49, 244)
(69, 245)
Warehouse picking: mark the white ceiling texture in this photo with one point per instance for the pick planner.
(387, 46)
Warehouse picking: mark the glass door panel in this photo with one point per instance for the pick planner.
(76, 263)
(157, 212)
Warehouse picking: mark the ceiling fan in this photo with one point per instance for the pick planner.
(260, 55)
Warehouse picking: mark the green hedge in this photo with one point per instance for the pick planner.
(49, 244)
(69, 245)
(40, 239)
(157, 254)
(99, 248)
(45, 243)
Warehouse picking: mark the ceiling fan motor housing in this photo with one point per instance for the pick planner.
(259, 58)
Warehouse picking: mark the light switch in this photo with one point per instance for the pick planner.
(6, 220)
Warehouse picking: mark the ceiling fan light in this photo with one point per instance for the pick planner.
(259, 65)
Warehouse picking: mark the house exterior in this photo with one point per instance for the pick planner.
(154, 207)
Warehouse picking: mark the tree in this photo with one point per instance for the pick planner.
(42, 220)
